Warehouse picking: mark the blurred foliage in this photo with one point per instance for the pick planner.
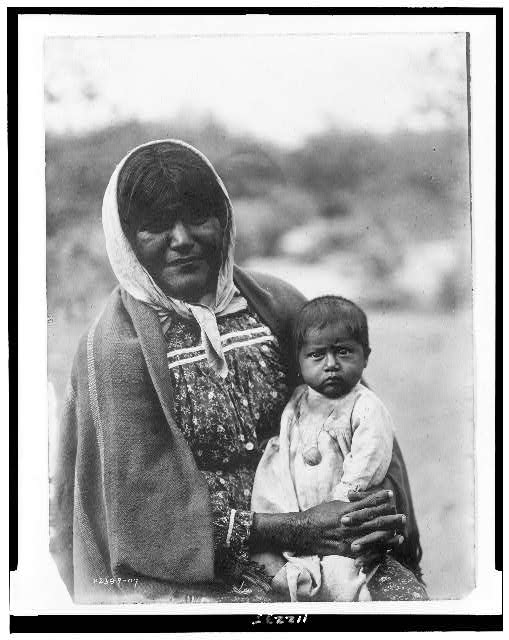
(367, 197)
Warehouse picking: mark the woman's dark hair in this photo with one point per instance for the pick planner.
(166, 174)
(332, 310)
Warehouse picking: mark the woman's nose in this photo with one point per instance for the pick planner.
(179, 235)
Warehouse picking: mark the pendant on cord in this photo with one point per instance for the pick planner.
(312, 456)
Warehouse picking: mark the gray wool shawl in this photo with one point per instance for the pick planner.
(132, 510)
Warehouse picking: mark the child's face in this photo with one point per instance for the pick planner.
(330, 361)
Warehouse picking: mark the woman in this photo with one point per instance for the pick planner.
(173, 392)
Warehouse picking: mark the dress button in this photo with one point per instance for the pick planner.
(249, 446)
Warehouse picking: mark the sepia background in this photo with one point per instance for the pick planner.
(346, 158)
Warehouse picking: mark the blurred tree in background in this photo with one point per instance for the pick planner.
(387, 214)
(371, 196)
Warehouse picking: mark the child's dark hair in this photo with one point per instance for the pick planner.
(163, 174)
(330, 310)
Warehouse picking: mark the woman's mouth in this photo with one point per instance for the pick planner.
(185, 261)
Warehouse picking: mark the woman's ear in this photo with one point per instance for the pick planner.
(367, 352)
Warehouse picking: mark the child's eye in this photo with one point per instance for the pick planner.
(316, 355)
(343, 351)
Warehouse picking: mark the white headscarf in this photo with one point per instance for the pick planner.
(136, 280)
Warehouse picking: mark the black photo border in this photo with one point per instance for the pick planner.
(134, 623)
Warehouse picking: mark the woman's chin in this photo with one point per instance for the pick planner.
(190, 287)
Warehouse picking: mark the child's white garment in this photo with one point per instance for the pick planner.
(325, 448)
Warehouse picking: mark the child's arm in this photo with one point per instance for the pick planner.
(371, 450)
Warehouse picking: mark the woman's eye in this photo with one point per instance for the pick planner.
(198, 216)
(155, 225)
(154, 228)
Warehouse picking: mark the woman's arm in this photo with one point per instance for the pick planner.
(231, 529)
(325, 529)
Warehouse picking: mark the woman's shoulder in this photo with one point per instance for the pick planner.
(111, 326)
(286, 294)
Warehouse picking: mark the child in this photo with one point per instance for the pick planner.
(336, 436)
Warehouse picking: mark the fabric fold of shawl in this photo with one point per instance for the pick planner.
(136, 280)
(130, 502)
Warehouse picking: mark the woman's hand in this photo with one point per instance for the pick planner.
(334, 527)
(371, 540)
(329, 528)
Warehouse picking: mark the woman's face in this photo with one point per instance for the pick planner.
(181, 249)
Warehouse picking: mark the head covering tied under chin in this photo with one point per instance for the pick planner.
(137, 281)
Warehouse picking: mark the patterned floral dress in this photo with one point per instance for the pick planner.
(226, 423)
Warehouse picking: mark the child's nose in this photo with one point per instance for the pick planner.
(331, 362)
